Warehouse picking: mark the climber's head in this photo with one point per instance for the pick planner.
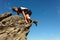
(15, 9)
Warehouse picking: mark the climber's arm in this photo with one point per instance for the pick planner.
(23, 13)
(24, 16)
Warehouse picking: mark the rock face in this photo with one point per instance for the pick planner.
(13, 27)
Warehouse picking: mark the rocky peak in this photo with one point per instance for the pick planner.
(13, 27)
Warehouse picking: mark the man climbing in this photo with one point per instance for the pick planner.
(26, 13)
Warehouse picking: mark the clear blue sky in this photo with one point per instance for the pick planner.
(47, 12)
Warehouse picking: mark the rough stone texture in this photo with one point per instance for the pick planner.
(3, 16)
(13, 27)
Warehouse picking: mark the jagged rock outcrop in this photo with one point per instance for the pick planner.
(13, 27)
(2, 16)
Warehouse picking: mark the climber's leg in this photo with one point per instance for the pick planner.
(28, 18)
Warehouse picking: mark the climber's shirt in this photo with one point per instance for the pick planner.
(26, 10)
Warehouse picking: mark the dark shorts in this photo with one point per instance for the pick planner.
(27, 11)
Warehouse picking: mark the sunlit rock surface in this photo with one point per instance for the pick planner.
(13, 27)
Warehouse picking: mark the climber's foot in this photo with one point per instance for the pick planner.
(35, 22)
